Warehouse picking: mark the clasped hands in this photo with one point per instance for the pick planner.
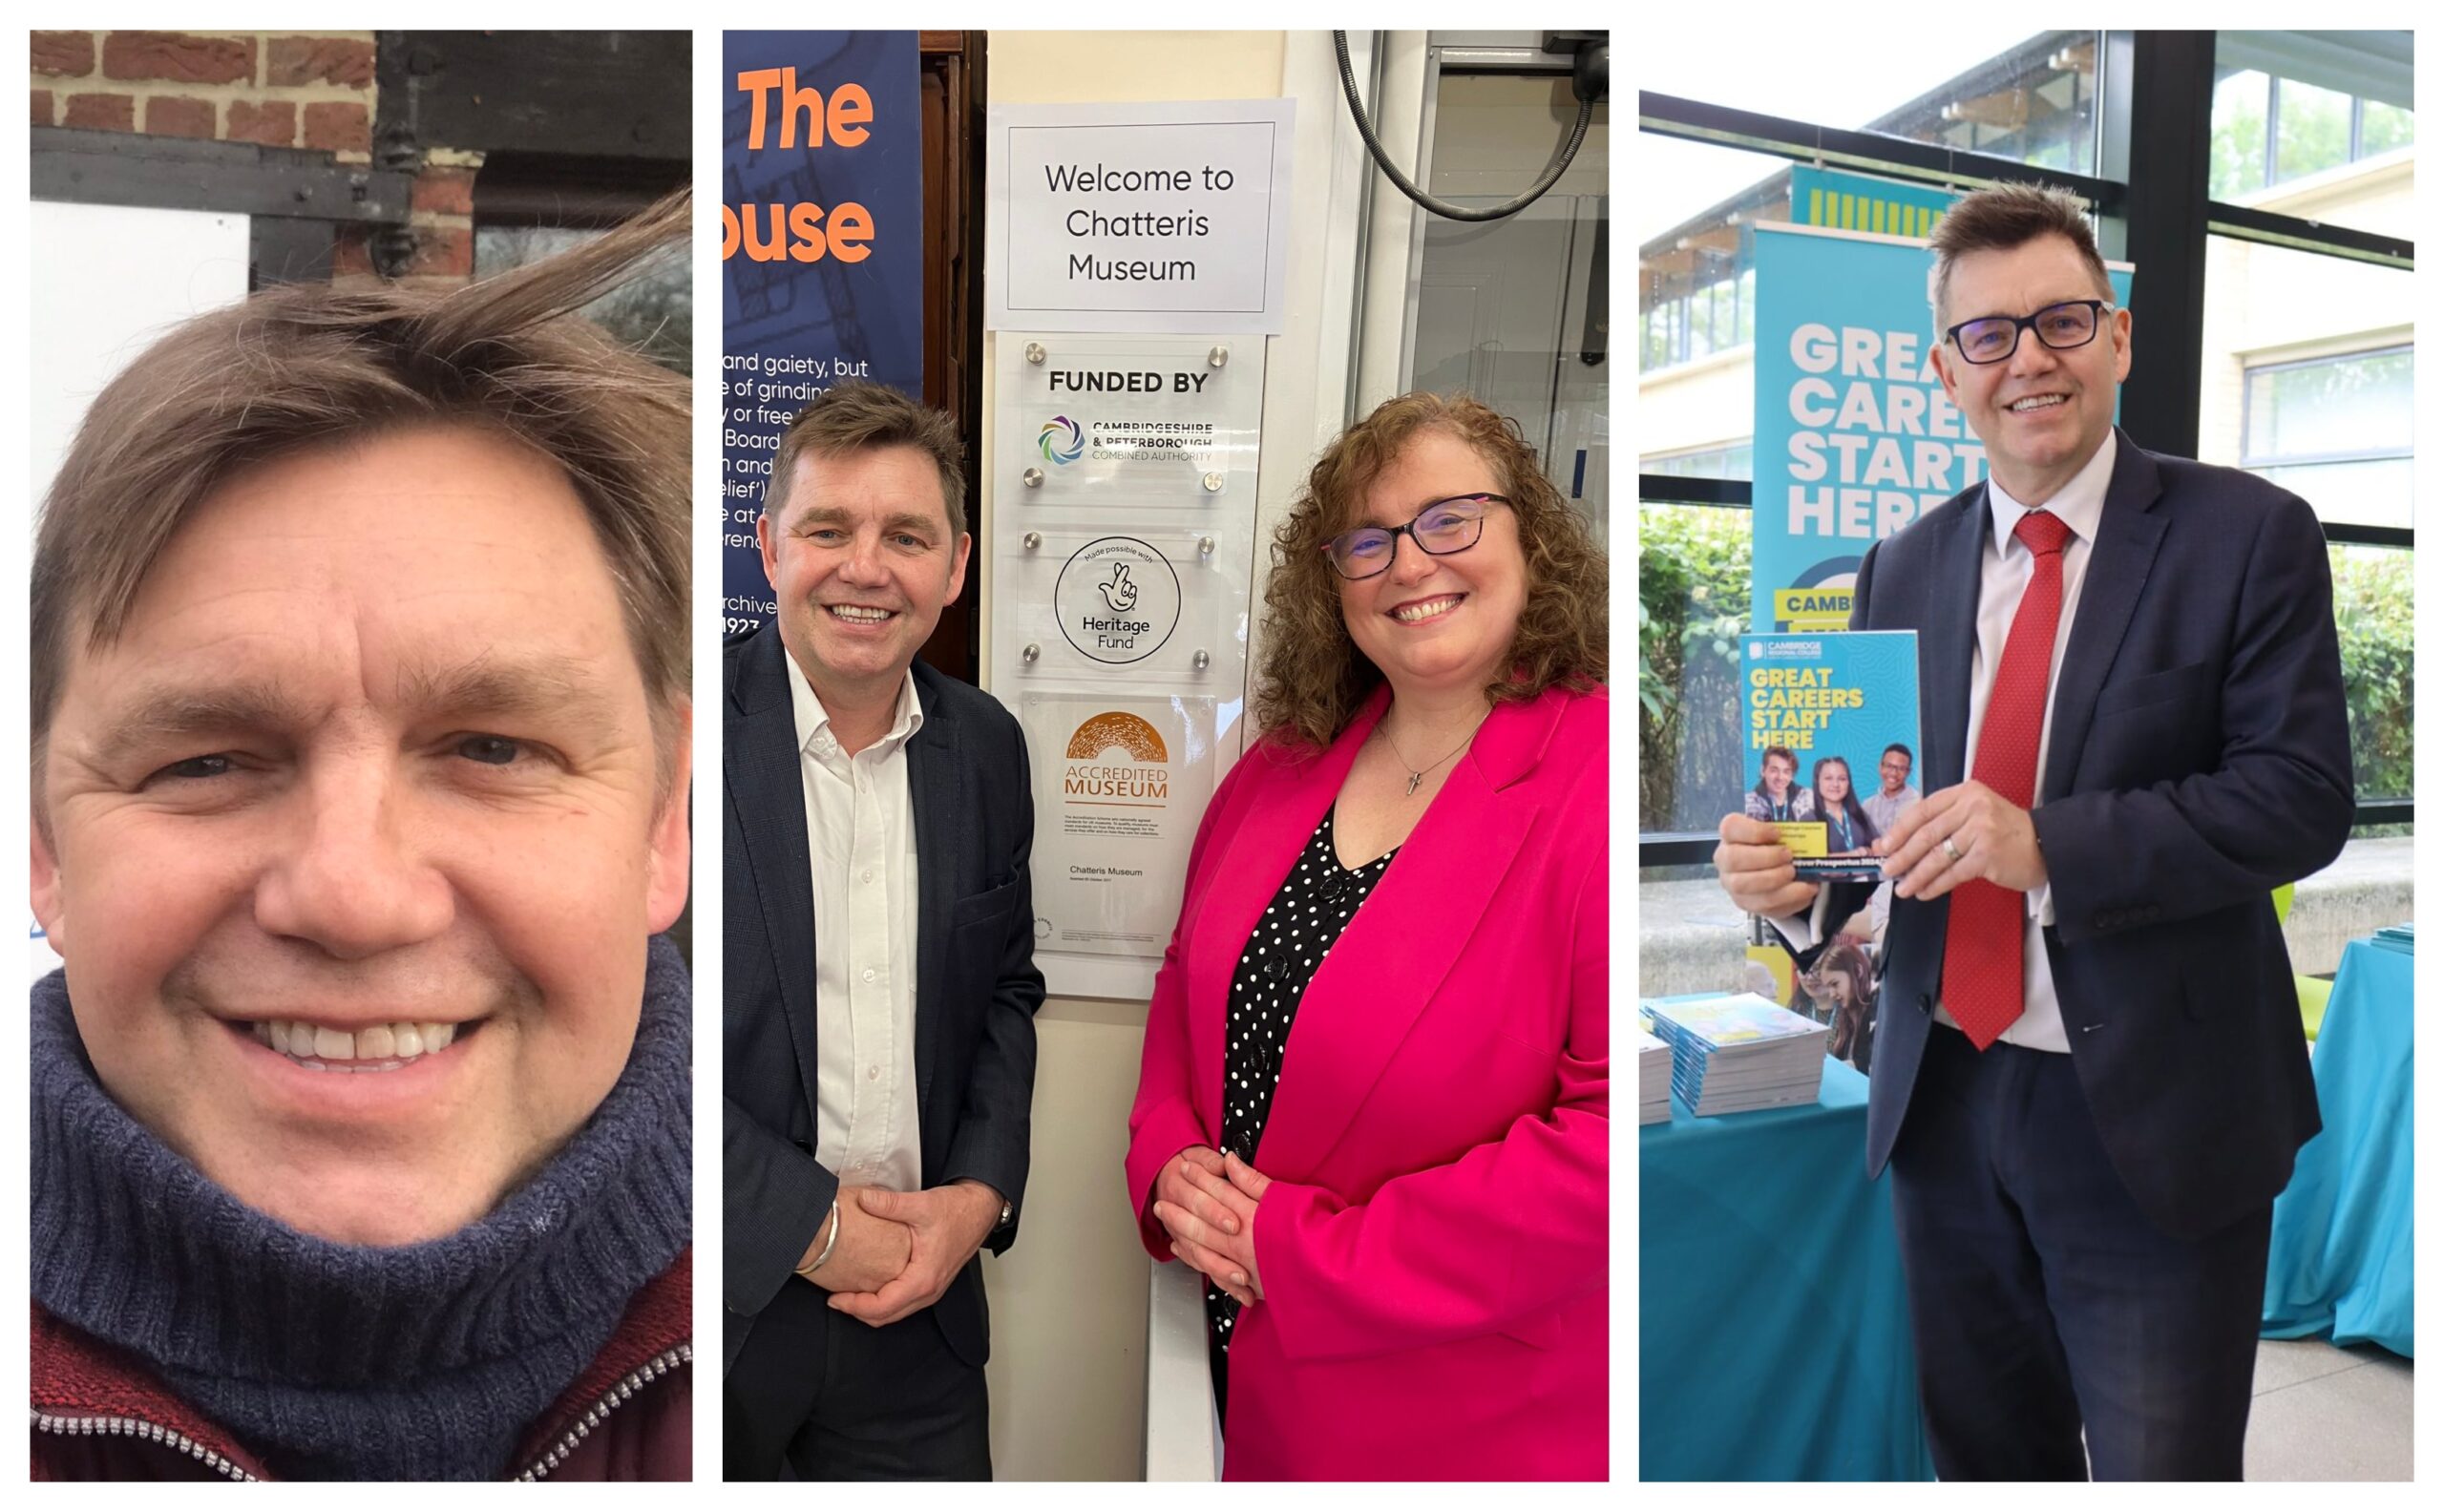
(898, 1251)
(1994, 838)
(1207, 1202)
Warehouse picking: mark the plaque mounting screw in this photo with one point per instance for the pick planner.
(1031, 652)
(1217, 356)
(1031, 539)
(1035, 352)
(1032, 478)
(1205, 545)
(1213, 482)
(1200, 661)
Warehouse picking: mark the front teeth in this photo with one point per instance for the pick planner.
(379, 1047)
(2038, 401)
(1424, 611)
(861, 613)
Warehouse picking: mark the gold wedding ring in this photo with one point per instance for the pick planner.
(1951, 849)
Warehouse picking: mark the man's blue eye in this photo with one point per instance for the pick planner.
(196, 767)
(492, 751)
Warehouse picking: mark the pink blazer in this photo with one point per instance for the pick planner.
(1433, 1247)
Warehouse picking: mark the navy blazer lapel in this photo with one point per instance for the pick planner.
(761, 763)
(1948, 646)
(2127, 535)
(938, 798)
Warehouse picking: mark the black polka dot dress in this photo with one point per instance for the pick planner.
(1314, 904)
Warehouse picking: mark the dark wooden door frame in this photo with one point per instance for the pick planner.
(951, 112)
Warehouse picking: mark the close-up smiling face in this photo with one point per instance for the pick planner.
(862, 560)
(1833, 780)
(354, 836)
(1894, 768)
(2042, 412)
(1429, 621)
(1778, 772)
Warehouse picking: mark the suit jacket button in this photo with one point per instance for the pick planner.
(1925, 1003)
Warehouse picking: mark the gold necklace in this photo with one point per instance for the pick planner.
(1417, 775)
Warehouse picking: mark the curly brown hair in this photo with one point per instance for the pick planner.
(1312, 676)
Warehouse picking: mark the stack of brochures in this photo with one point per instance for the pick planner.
(1740, 1053)
(2397, 937)
(1655, 1080)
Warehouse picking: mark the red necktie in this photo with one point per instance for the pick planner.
(1985, 943)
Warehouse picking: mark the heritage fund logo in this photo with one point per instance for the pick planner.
(1117, 600)
(1116, 758)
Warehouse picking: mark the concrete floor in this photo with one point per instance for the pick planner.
(2328, 1414)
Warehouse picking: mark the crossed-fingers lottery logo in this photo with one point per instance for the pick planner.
(1061, 440)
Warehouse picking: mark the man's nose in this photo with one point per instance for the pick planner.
(863, 563)
(2032, 356)
(350, 876)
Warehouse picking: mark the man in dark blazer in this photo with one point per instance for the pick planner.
(878, 1014)
(2090, 1075)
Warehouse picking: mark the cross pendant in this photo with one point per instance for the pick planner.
(1415, 778)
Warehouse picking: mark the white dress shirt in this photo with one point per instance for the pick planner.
(861, 846)
(2008, 565)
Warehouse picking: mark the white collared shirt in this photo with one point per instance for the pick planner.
(861, 847)
(2004, 578)
(2008, 565)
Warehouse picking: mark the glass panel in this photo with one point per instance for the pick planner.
(2312, 130)
(1514, 311)
(1693, 603)
(2372, 607)
(2316, 124)
(2382, 128)
(1972, 83)
(1697, 293)
(653, 312)
(2305, 376)
(2237, 160)
(2337, 406)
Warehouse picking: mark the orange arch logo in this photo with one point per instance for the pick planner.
(1127, 731)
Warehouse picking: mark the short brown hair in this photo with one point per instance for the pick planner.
(306, 366)
(2005, 215)
(862, 416)
(1313, 677)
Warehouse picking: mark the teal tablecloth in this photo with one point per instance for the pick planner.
(1772, 1332)
(2339, 1265)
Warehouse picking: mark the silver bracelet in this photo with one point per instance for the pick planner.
(828, 1243)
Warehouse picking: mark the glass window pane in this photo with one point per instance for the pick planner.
(653, 312)
(2237, 155)
(2307, 357)
(1509, 310)
(2382, 128)
(2283, 139)
(2356, 405)
(1985, 85)
(1693, 604)
(2312, 130)
(2371, 608)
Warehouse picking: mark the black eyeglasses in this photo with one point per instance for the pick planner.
(1440, 529)
(1992, 337)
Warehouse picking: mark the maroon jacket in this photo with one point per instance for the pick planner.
(100, 1414)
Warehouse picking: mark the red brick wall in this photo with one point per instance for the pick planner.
(274, 88)
(277, 89)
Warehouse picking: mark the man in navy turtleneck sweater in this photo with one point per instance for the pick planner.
(360, 754)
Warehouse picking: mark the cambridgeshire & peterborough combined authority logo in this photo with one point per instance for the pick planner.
(1061, 440)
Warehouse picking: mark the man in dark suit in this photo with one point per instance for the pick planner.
(2090, 1076)
(878, 1014)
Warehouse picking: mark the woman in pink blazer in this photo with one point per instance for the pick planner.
(1373, 1108)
